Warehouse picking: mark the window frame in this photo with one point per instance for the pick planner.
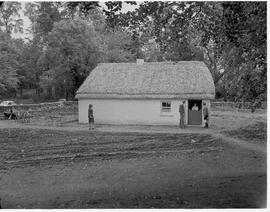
(166, 109)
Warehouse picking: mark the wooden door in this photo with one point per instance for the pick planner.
(194, 112)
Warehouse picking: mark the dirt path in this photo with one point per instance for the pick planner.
(108, 128)
(141, 129)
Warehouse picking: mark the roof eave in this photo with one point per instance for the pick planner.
(145, 96)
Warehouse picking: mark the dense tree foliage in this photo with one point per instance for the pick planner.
(70, 38)
(43, 15)
(72, 51)
(10, 20)
(230, 37)
(245, 28)
(111, 9)
(75, 47)
(9, 63)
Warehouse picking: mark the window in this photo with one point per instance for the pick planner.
(166, 107)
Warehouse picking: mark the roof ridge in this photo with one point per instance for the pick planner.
(164, 62)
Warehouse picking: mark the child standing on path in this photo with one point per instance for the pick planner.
(90, 117)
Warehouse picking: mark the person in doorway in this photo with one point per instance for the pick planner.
(195, 107)
(205, 115)
(90, 117)
(182, 114)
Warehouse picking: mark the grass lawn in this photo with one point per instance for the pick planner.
(256, 133)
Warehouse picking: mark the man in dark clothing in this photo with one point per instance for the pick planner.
(182, 114)
(205, 115)
(90, 117)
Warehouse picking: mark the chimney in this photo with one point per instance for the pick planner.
(139, 61)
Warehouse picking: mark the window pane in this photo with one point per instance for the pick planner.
(166, 107)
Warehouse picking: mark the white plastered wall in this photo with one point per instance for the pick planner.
(126, 111)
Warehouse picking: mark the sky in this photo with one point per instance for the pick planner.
(27, 22)
(26, 25)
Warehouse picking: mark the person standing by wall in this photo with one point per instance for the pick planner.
(90, 117)
(205, 115)
(182, 114)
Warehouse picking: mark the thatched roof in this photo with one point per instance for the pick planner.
(185, 79)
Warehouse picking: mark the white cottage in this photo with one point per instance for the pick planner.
(146, 93)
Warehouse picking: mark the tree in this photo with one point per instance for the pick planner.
(73, 51)
(226, 35)
(9, 58)
(118, 46)
(168, 24)
(10, 20)
(43, 15)
(245, 27)
(29, 70)
(71, 37)
(111, 11)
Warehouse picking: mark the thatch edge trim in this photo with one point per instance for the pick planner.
(145, 96)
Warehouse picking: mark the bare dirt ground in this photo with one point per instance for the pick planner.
(57, 163)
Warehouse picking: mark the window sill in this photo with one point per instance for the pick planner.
(166, 115)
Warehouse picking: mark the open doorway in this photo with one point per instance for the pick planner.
(194, 112)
